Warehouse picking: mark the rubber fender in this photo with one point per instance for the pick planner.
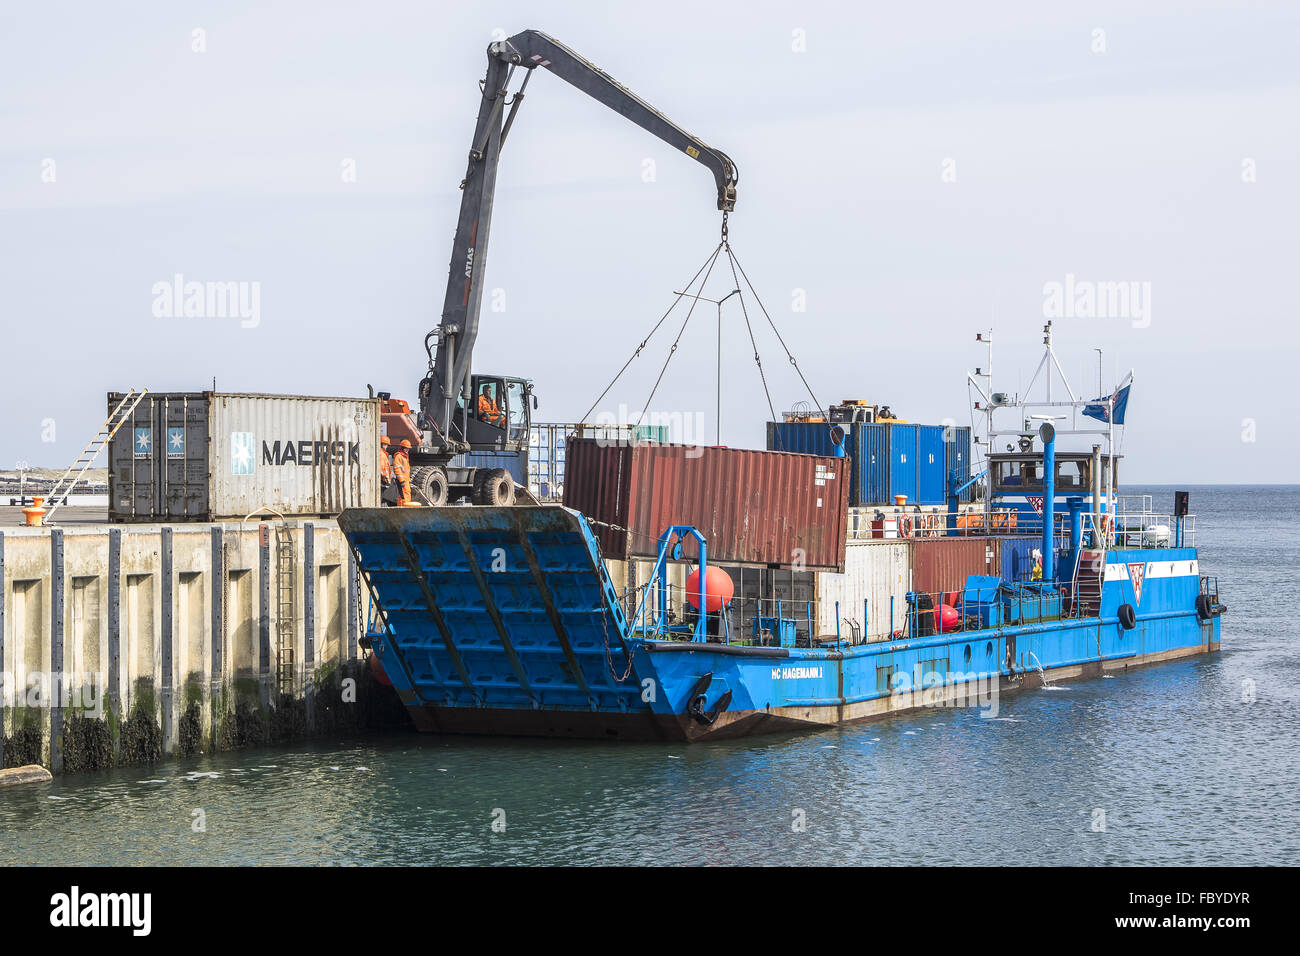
(1127, 617)
(1204, 608)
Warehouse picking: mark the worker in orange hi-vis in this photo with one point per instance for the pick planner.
(385, 468)
(487, 408)
(402, 472)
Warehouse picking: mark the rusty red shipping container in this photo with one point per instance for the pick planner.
(753, 507)
(942, 564)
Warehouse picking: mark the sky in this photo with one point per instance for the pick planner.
(910, 174)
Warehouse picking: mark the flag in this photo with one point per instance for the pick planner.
(1111, 408)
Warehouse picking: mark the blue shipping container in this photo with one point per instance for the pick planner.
(957, 458)
(870, 484)
(902, 461)
(888, 459)
(867, 446)
(1017, 560)
(802, 438)
(931, 482)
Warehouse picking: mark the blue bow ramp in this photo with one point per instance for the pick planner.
(507, 608)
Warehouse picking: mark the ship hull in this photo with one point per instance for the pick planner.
(505, 622)
(982, 692)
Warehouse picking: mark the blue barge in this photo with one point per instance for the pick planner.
(506, 621)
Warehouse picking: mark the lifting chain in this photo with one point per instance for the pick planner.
(724, 227)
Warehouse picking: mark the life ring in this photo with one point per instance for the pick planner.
(906, 525)
(1127, 617)
(930, 524)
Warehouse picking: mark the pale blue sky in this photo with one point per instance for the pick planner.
(225, 166)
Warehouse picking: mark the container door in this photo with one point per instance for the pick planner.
(957, 458)
(871, 464)
(931, 476)
(902, 462)
(182, 457)
(131, 462)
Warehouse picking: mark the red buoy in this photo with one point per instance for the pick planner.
(946, 618)
(718, 588)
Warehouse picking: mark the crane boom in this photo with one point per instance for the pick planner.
(449, 369)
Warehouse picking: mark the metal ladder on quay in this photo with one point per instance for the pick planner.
(285, 571)
(118, 417)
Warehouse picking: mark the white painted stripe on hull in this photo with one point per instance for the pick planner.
(1156, 569)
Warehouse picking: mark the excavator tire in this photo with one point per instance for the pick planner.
(429, 482)
(496, 488)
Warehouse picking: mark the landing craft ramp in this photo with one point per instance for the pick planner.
(494, 611)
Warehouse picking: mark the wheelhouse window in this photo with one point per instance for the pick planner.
(1072, 476)
(1018, 475)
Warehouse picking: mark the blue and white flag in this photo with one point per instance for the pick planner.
(1111, 408)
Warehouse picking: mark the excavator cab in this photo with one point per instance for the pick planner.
(499, 412)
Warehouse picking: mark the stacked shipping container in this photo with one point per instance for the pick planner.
(882, 572)
(753, 507)
(203, 456)
(887, 459)
(547, 450)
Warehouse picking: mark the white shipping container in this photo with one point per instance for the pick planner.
(874, 570)
(204, 456)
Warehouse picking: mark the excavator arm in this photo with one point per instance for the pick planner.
(449, 366)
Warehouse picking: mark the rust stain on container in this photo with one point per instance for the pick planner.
(942, 564)
(753, 507)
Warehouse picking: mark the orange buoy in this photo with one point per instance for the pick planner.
(718, 588)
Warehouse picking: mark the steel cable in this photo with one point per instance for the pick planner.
(707, 264)
(788, 354)
(757, 360)
(672, 351)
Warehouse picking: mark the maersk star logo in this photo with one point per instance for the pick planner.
(175, 442)
(241, 453)
(143, 442)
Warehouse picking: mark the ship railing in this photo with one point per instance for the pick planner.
(1132, 527)
(932, 614)
(746, 621)
(1150, 529)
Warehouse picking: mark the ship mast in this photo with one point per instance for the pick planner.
(990, 401)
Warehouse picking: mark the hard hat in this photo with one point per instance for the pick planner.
(406, 443)
(383, 440)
